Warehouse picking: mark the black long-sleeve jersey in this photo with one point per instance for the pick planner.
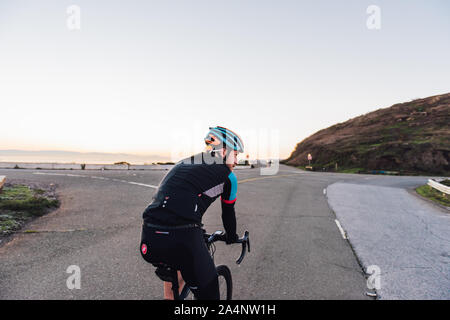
(189, 188)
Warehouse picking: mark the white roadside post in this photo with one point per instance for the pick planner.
(2, 182)
(309, 161)
(436, 185)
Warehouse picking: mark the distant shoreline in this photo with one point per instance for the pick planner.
(83, 162)
(73, 157)
(90, 166)
(83, 166)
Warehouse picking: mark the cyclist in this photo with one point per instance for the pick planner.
(172, 233)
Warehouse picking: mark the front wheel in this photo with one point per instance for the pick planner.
(225, 282)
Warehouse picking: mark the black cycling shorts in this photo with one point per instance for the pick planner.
(185, 250)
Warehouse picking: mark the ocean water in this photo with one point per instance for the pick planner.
(91, 159)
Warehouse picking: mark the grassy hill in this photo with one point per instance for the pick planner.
(410, 138)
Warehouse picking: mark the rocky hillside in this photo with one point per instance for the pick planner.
(410, 137)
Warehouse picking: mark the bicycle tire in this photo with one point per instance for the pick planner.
(225, 282)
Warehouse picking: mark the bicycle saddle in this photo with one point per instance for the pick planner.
(165, 272)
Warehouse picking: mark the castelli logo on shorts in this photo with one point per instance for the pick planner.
(144, 248)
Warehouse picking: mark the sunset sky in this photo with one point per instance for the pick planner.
(145, 77)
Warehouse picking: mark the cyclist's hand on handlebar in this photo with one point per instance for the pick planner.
(230, 238)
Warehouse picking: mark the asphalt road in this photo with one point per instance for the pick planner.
(297, 250)
(406, 238)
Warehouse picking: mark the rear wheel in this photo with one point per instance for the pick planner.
(225, 282)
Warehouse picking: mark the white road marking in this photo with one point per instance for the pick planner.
(325, 191)
(95, 177)
(144, 185)
(340, 229)
(265, 177)
(101, 178)
(59, 174)
(297, 172)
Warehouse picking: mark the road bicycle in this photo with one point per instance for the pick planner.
(168, 273)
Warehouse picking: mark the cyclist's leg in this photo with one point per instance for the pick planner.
(184, 249)
(198, 269)
(168, 292)
(209, 291)
(157, 247)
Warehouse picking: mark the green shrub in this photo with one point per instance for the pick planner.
(434, 195)
(22, 198)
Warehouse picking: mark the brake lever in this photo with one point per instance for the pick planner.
(239, 260)
(245, 245)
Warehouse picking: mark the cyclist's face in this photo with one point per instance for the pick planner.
(231, 158)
